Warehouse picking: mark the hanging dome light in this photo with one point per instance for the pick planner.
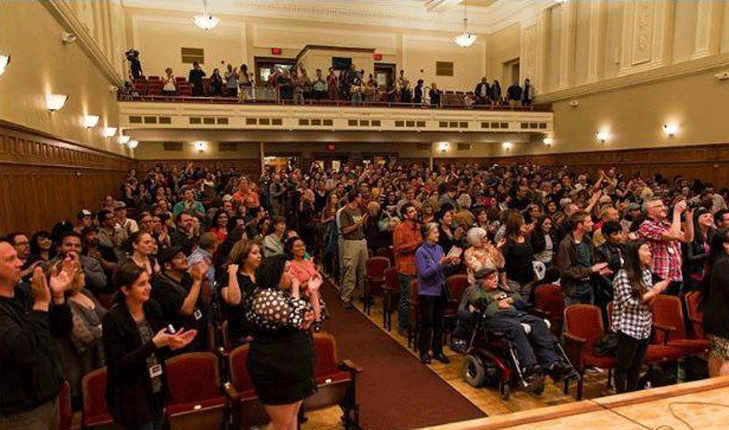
(465, 39)
(205, 21)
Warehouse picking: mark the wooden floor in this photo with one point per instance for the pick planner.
(486, 398)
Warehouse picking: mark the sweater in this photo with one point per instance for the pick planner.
(431, 274)
(31, 369)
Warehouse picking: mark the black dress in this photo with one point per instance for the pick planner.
(238, 326)
(281, 357)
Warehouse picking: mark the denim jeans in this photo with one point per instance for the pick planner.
(403, 306)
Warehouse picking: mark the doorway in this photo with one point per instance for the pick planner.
(510, 73)
(385, 75)
(264, 67)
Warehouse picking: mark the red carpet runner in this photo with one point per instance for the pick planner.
(395, 391)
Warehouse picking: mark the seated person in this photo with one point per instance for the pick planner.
(501, 310)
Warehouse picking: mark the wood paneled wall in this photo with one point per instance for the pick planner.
(249, 166)
(44, 179)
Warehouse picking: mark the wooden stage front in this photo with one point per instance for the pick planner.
(689, 406)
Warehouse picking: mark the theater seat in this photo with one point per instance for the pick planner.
(670, 329)
(336, 380)
(195, 400)
(695, 315)
(376, 267)
(390, 296)
(549, 303)
(247, 410)
(413, 314)
(95, 413)
(65, 416)
(457, 285)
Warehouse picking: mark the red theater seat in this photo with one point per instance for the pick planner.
(95, 413)
(195, 401)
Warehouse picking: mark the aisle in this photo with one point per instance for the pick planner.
(396, 391)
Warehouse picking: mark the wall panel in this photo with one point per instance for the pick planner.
(45, 180)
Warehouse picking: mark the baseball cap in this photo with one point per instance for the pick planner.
(83, 213)
(119, 205)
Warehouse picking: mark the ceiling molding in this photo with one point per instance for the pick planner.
(70, 21)
(444, 15)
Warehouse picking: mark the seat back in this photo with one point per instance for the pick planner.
(93, 386)
(65, 415)
(584, 321)
(237, 366)
(392, 280)
(457, 284)
(376, 267)
(325, 354)
(387, 253)
(695, 314)
(549, 299)
(414, 292)
(192, 377)
(667, 312)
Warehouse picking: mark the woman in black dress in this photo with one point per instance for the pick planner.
(281, 359)
(134, 336)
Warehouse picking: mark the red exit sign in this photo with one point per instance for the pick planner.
(331, 147)
(275, 51)
(377, 56)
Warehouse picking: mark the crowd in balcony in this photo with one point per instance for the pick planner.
(296, 85)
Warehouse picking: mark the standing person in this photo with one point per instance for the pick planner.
(273, 242)
(231, 81)
(576, 262)
(715, 302)
(434, 95)
(189, 205)
(195, 77)
(632, 317)
(418, 92)
(406, 239)
(495, 93)
(518, 275)
(433, 267)
(332, 85)
(141, 252)
(168, 83)
(216, 83)
(135, 337)
(354, 255)
(31, 316)
(697, 252)
(281, 362)
(482, 91)
(319, 86)
(177, 290)
(665, 239)
(527, 93)
(245, 258)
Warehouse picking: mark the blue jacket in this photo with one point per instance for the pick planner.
(431, 274)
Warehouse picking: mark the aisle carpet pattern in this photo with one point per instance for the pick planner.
(395, 391)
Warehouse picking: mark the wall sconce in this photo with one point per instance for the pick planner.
(133, 144)
(55, 101)
(602, 136)
(548, 141)
(123, 139)
(109, 131)
(506, 146)
(670, 129)
(4, 61)
(90, 121)
(200, 146)
(443, 146)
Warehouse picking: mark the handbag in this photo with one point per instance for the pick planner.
(607, 346)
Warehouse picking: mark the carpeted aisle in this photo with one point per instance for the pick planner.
(395, 391)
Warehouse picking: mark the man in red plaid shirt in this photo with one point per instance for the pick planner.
(664, 239)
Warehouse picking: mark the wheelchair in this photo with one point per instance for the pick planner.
(491, 359)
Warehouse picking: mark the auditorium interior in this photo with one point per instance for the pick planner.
(97, 97)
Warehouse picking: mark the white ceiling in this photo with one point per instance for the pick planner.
(484, 16)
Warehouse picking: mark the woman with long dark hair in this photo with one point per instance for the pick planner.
(634, 292)
(715, 301)
(281, 360)
(135, 339)
(696, 252)
(518, 255)
(245, 257)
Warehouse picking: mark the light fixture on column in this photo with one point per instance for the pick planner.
(548, 141)
(133, 144)
(4, 61)
(123, 139)
(200, 146)
(205, 21)
(670, 129)
(109, 131)
(443, 146)
(55, 101)
(68, 38)
(465, 39)
(90, 121)
(602, 136)
(506, 146)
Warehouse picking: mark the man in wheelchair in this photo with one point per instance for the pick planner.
(503, 311)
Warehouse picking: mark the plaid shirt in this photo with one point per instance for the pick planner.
(666, 253)
(630, 316)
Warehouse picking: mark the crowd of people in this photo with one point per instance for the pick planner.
(294, 84)
(206, 245)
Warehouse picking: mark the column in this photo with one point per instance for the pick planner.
(567, 49)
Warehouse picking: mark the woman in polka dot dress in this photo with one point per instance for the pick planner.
(281, 359)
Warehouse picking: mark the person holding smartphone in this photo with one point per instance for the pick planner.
(136, 341)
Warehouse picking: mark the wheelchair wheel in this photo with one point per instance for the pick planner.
(504, 390)
(473, 371)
